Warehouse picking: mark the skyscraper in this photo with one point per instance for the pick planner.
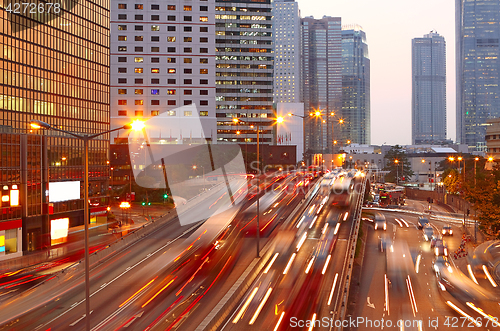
(355, 86)
(428, 89)
(244, 71)
(163, 58)
(477, 68)
(286, 40)
(56, 71)
(321, 81)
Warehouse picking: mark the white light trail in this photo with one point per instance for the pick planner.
(471, 274)
(261, 305)
(489, 276)
(289, 264)
(336, 229)
(326, 264)
(245, 306)
(271, 263)
(333, 289)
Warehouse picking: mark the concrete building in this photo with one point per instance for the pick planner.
(355, 86)
(322, 82)
(429, 89)
(477, 69)
(291, 131)
(244, 71)
(493, 138)
(286, 42)
(163, 58)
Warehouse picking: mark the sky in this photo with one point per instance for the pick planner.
(390, 25)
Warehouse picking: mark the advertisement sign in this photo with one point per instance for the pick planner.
(64, 191)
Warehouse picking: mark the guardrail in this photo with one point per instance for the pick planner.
(341, 307)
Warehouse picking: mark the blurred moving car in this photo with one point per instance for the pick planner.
(428, 233)
(440, 249)
(422, 222)
(434, 240)
(447, 231)
(380, 222)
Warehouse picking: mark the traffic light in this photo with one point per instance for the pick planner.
(165, 196)
(143, 203)
(149, 203)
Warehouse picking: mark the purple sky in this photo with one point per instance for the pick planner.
(390, 25)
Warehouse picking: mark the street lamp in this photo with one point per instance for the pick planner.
(136, 125)
(397, 171)
(475, 174)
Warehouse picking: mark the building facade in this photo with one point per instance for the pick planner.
(321, 82)
(477, 68)
(286, 41)
(428, 89)
(355, 86)
(58, 74)
(244, 71)
(163, 58)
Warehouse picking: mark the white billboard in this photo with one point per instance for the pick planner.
(64, 191)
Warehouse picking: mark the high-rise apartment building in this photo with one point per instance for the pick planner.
(163, 58)
(56, 71)
(477, 68)
(286, 40)
(321, 82)
(428, 89)
(244, 71)
(355, 86)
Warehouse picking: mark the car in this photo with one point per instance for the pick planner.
(440, 249)
(422, 222)
(384, 243)
(380, 222)
(435, 240)
(428, 232)
(447, 231)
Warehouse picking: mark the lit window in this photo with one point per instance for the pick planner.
(203, 19)
(155, 28)
(122, 91)
(122, 6)
(155, 70)
(188, 60)
(122, 48)
(171, 92)
(139, 6)
(139, 113)
(188, 39)
(138, 59)
(139, 102)
(155, 91)
(122, 38)
(203, 113)
(122, 102)
(139, 91)
(170, 39)
(188, 112)
(171, 70)
(155, 112)
(203, 71)
(122, 27)
(188, 8)
(138, 70)
(171, 113)
(171, 7)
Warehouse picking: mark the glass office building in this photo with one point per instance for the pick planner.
(244, 71)
(428, 89)
(54, 68)
(322, 82)
(355, 86)
(477, 68)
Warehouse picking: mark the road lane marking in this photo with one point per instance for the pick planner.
(78, 320)
(371, 305)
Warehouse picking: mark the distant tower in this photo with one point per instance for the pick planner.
(355, 85)
(321, 81)
(428, 89)
(478, 68)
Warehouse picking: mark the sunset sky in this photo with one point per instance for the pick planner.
(390, 25)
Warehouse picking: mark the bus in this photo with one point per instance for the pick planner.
(341, 191)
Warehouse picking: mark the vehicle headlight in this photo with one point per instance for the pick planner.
(441, 286)
(436, 251)
(451, 231)
(385, 226)
(425, 237)
(444, 231)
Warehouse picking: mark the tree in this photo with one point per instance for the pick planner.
(452, 180)
(397, 164)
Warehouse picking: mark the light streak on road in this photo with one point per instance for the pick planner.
(279, 321)
(313, 221)
(399, 222)
(309, 265)
(486, 272)
(311, 209)
(461, 312)
(312, 322)
(301, 241)
(417, 264)
(406, 223)
(154, 296)
(271, 263)
(345, 216)
(492, 319)
(412, 297)
(261, 305)
(245, 306)
(333, 289)
(142, 288)
(326, 264)
(324, 228)
(301, 220)
(336, 229)
(386, 294)
(471, 274)
(289, 264)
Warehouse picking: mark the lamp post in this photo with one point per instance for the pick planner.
(36, 124)
(397, 171)
(475, 174)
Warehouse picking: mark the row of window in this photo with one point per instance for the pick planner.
(139, 6)
(187, 113)
(157, 102)
(157, 70)
(123, 27)
(157, 39)
(157, 91)
(139, 59)
(170, 71)
(170, 81)
(157, 18)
